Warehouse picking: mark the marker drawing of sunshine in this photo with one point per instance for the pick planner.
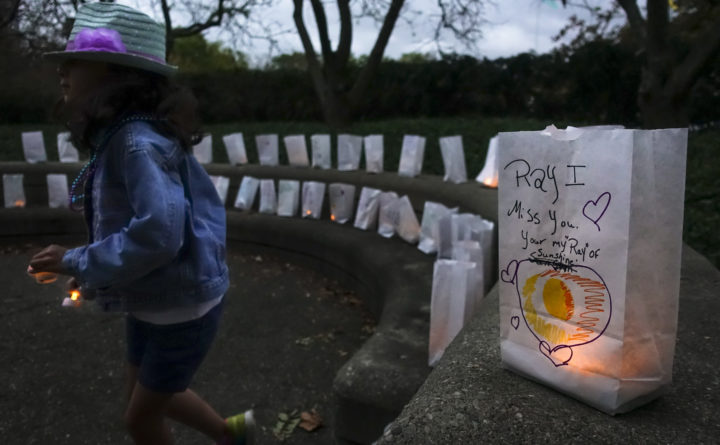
(563, 307)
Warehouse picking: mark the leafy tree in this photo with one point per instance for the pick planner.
(196, 55)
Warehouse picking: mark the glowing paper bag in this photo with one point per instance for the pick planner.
(451, 304)
(288, 197)
(342, 202)
(57, 190)
(374, 153)
(388, 216)
(203, 150)
(246, 193)
(33, 146)
(66, 150)
(313, 195)
(411, 158)
(268, 197)
(296, 150)
(13, 191)
(321, 151)
(453, 156)
(590, 226)
(349, 149)
(221, 183)
(235, 147)
(267, 147)
(489, 173)
(367, 209)
(433, 212)
(407, 227)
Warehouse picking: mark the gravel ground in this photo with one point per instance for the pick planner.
(285, 333)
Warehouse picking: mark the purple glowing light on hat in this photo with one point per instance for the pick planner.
(100, 39)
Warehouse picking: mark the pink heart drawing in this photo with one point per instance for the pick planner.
(559, 355)
(515, 321)
(510, 272)
(594, 210)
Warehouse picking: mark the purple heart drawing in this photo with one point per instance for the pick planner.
(510, 272)
(515, 321)
(594, 210)
(559, 355)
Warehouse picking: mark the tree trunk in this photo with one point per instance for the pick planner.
(336, 110)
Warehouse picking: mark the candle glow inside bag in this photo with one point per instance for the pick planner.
(590, 239)
(489, 173)
(342, 202)
(33, 146)
(313, 195)
(13, 190)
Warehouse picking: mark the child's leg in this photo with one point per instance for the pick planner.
(145, 417)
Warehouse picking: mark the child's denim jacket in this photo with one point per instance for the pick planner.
(156, 226)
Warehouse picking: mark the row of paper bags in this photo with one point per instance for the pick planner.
(349, 151)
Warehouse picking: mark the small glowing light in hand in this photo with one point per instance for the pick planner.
(75, 295)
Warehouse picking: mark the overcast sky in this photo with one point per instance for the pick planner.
(514, 26)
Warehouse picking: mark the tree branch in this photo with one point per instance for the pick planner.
(343, 50)
(11, 16)
(705, 47)
(312, 61)
(321, 20)
(635, 18)
(368, 71)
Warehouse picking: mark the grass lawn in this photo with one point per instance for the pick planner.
(702, 195)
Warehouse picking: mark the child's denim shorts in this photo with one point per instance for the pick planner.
(167, 356)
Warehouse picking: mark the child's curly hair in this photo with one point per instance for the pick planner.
(126, 91)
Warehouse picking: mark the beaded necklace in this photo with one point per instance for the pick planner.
(76, 199)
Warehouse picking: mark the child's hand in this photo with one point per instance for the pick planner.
(49, 259)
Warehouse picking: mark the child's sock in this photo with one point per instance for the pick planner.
(242, 429)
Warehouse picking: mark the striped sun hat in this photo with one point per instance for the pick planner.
(112, 33)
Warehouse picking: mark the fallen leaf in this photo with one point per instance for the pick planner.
(310, 421)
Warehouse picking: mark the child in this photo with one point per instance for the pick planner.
(156, 224)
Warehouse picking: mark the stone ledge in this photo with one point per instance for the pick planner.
(469, 398)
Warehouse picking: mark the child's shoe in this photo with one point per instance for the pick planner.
(242, 428)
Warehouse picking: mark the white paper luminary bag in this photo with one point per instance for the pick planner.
(235, 147)
(268, 196)
(388, 216)
(13, 191)
(489, 173)
(411, 157)
(407, 227)
(453, 227)
(296, 149)
(66, 150)
(288, 197)
(349, 148)
(453, 157)
(221, 183)
(313, 195)
(57, 190)
(590, 237)
(203, 150)
(451, 304)
(33, 147)
(367, 209)
(374, 153)
(321, 151)
(267, 147)
(247, 191)
(471, 251)
(433, 212)
(342, 202)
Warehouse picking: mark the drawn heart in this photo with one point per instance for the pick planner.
(515, 321)
(594, 210)
(559, 355)
(510, 272)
